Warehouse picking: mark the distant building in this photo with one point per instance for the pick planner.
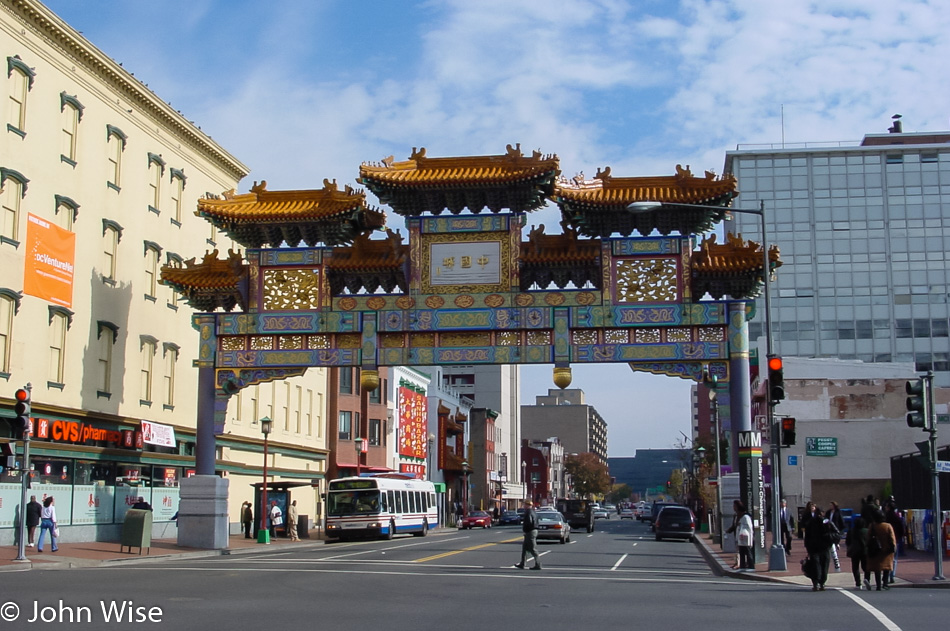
(648, 471)
(563, 413)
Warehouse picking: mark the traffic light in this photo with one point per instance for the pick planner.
(21, 423)
(788, 432)
(917, 404)
(776, 379)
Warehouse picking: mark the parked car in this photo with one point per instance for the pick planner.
(509, 517)
(551, 525)
(675, 522)
(476, 518)
(601, 512)
(626, 513)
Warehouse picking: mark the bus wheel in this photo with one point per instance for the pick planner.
(424, 531)
(392, 530)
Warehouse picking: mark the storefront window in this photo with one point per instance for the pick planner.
(94, 493)
(54, 478)
(165, 492)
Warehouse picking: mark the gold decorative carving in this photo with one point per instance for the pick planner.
(405, 302)
(584, 337)
(494, 300)
(711, 334)
(232, 343)
(585, 298)
(369, 379)
(349, 340)
(562, 376)
(524, 300)
(392, 340)
(464, 339)
(435, 302)
(648, 336)
(679, 335)
(286, 289)
(539, 338)
(290, 342)
(508, 338)
(422, 340)
(616, 336)
(464, 301)
(491, 239)
(376, 303)
(646, 280)
(262, 342)
(317, 342)
(555, 300)
(347, 304)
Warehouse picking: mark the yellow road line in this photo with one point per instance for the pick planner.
(452, 552)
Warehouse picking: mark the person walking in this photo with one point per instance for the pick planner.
(856, 545)
(292, 517)
(817, 545)
(48, 523)
(276, 518)
(788, 526)
(247, 517)
(34, 511)
(881, 546)
(894, 517)
(529, 525)
(744, 536)
(834, 516)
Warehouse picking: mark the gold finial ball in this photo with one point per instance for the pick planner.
(369, 379)
(562, 377)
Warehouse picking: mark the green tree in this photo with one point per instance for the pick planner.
(588, 474)
(620, 493)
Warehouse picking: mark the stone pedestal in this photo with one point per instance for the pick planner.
(203, 513)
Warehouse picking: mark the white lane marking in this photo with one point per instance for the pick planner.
(635, 544)
(886, 622)
(617, 564)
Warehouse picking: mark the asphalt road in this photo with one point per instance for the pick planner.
(615, 578)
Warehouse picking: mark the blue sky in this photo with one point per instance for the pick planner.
(306, 90)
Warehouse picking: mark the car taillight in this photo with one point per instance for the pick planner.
(556, 526)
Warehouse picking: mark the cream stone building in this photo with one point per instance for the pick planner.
(100, 180)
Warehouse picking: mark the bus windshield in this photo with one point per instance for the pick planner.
(353, 502)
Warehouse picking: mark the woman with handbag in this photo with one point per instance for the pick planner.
(856, 544)
(881, 546)
(48, 522)
(817, 545)
(744, 534)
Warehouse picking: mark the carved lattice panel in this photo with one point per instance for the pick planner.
(508, 338)
(584, 337)
(539, 338)
(316, 342)
(291, 289)
(616, 336)
(232, 343)
(647, 280)
(678, 335)
(262, 342)
(648, 336)
(290, 342)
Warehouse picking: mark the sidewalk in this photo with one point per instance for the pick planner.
(95, 553)
(914, 568)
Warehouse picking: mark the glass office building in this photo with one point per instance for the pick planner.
(864, 231)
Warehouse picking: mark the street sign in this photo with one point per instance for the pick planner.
(943, 466)
(793, 461)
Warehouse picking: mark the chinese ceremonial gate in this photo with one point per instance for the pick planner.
(466, 287)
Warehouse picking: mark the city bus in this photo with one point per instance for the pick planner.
(379, 506)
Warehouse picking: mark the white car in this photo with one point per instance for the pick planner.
(601, 513)
(627, 513)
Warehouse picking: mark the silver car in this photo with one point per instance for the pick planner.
(551, 525)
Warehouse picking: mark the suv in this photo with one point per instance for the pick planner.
(577, 513)
(676, 522)
(655, 512)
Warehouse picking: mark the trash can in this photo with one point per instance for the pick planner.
(137, 530)
(303, 526)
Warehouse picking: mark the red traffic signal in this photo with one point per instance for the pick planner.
(775, 363)
(776, 379)
(23, 412)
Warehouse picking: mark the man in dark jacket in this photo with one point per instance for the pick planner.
(33, 511)
(529, 524)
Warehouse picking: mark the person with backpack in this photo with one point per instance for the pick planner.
(856, 544)
(818, 540)
(881, 546)
(834, 516)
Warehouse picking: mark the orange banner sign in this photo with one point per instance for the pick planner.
(50, 254)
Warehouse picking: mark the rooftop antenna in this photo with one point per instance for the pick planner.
(897, 127)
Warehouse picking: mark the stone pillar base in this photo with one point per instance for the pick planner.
(203, 513)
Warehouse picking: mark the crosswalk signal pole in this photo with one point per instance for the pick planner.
(931, 428)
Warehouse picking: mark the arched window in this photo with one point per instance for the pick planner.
(115, 139)
(9, 305)
(60, 319)
(71, 110)
(12, 191)
(153, 253)
(20, 80)
(156, 168)
(67, 211)
(170, 350)
(107, 333)
(178, 190)
(111, 235)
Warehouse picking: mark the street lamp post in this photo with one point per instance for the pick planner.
(430, 442)
(777, 552)
(464, 489)
(714, 410)
(358, 443)
(263, 535)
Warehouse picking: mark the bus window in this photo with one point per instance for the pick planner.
(384, 507)
(392, 502)
(415, 501)
(431, 500)
(398, 502)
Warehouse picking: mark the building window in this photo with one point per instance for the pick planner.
(12, 190)
(148, 346)
(107, 333)
(375, 432)
(59, 321)
(71, 110)
(153, 253)
(116, 140)
(9, 305)
(255, 405)
(67, 211)
(178, 187)
(286, 407)
(309, 415)
(346, 380)
(171, 358)
(345, 428)
(156, 169)
(375, 394)
(298, 404)
(111, 235)
(20, 80)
